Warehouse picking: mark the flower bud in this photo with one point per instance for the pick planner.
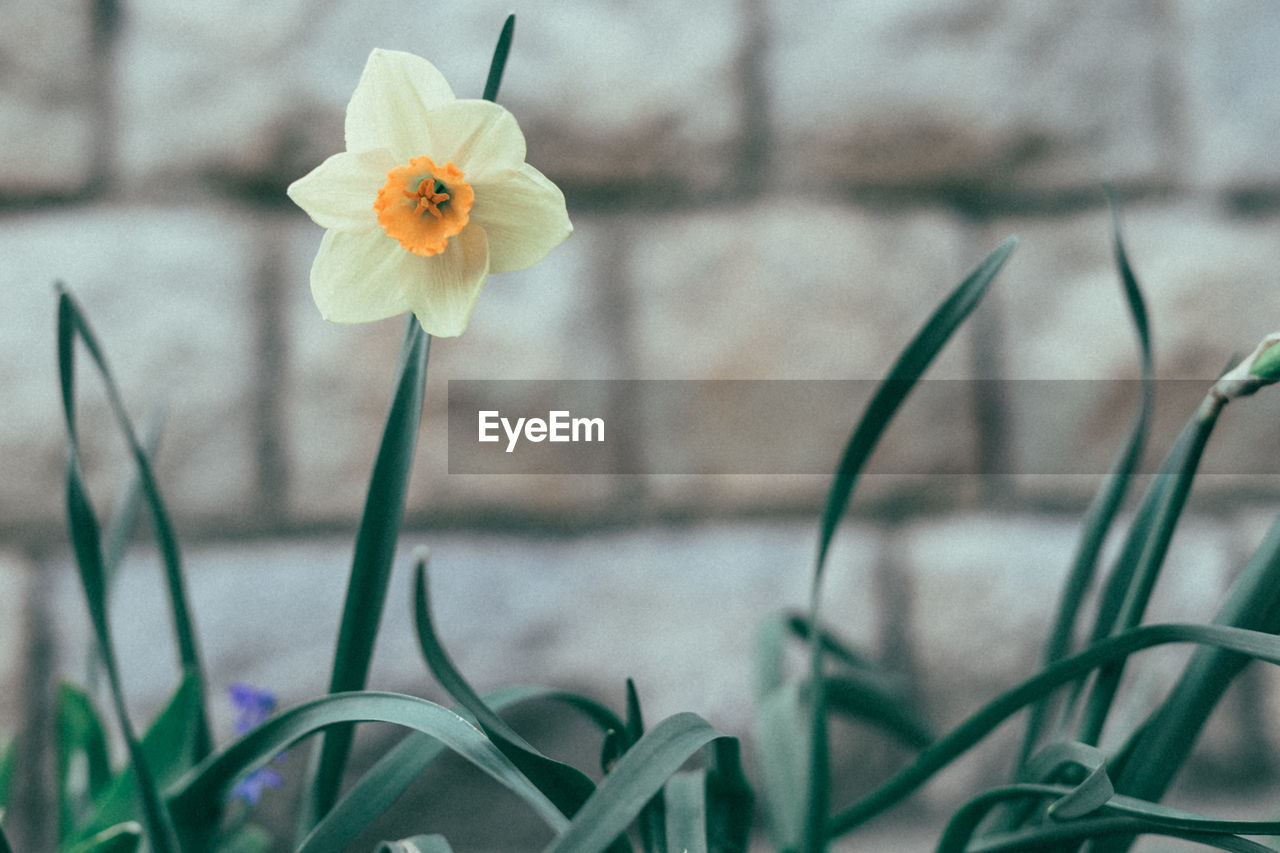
(1260, 368)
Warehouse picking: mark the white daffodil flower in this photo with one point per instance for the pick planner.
(431, 195)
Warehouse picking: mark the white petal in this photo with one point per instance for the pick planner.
(356, 277)
(443, 289)
(479, 137)
(524, 215)
(339, 193)
(389, 106)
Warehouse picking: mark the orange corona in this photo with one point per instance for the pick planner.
(422, 205)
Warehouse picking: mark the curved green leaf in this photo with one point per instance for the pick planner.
(194, 800)
(1052, 836)
(632, 783)
(566, 786)
(169, 749)
(1120, 816)
(79, 733)
(417, 844)
(72, 324)
(86, 543)
(782, 758)
(866, 701)
(121, 838)
(383, 783)
(685, 800)
(1262, 646)
(1102, 510)
(910, 366)
(1148, 763)
(884, 404)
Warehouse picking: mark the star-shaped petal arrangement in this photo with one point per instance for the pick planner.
(431, 195)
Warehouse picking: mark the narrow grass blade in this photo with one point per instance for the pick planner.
(1167, 500)
(653, 817)
(121, 838)
(841, 651)
(685, 798)
(417, 844)
(380, 786)
(1161, 746)
(72, 324)
(769, 655)
(194, 799)
(1102, 510)
(86, 542)
(782, 755)
(4, 841)
(865, 690)
(8, 753)
(128, 505)
(499, 63)
(637, 776)
(865, 701)
(564, 785)
(80, 734)
(910, 366)
(371, 563)
(8, 758)
(884, 404)
(730, 801)
(1256, 644)
(169, 749)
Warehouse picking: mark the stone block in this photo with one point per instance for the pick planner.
(1232, 112)
(1208, 283)
(621, 95)
(48, 112)
(167, 291)
(798, 289)
(993, 99)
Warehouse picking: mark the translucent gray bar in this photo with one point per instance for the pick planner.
(802, 426)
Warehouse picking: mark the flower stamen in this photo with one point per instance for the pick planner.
(420, 188)
(429, 195)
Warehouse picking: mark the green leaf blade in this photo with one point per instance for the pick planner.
(371, 562)
(639, 774)
(194, 799)
(564, 785)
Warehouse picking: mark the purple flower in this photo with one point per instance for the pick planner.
(250, 788)
(253, 707)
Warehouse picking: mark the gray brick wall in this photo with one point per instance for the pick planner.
(760, 190)
(764, 189)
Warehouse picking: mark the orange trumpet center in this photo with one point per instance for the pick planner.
(422, 205)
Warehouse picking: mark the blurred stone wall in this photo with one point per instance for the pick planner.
(761, 189)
